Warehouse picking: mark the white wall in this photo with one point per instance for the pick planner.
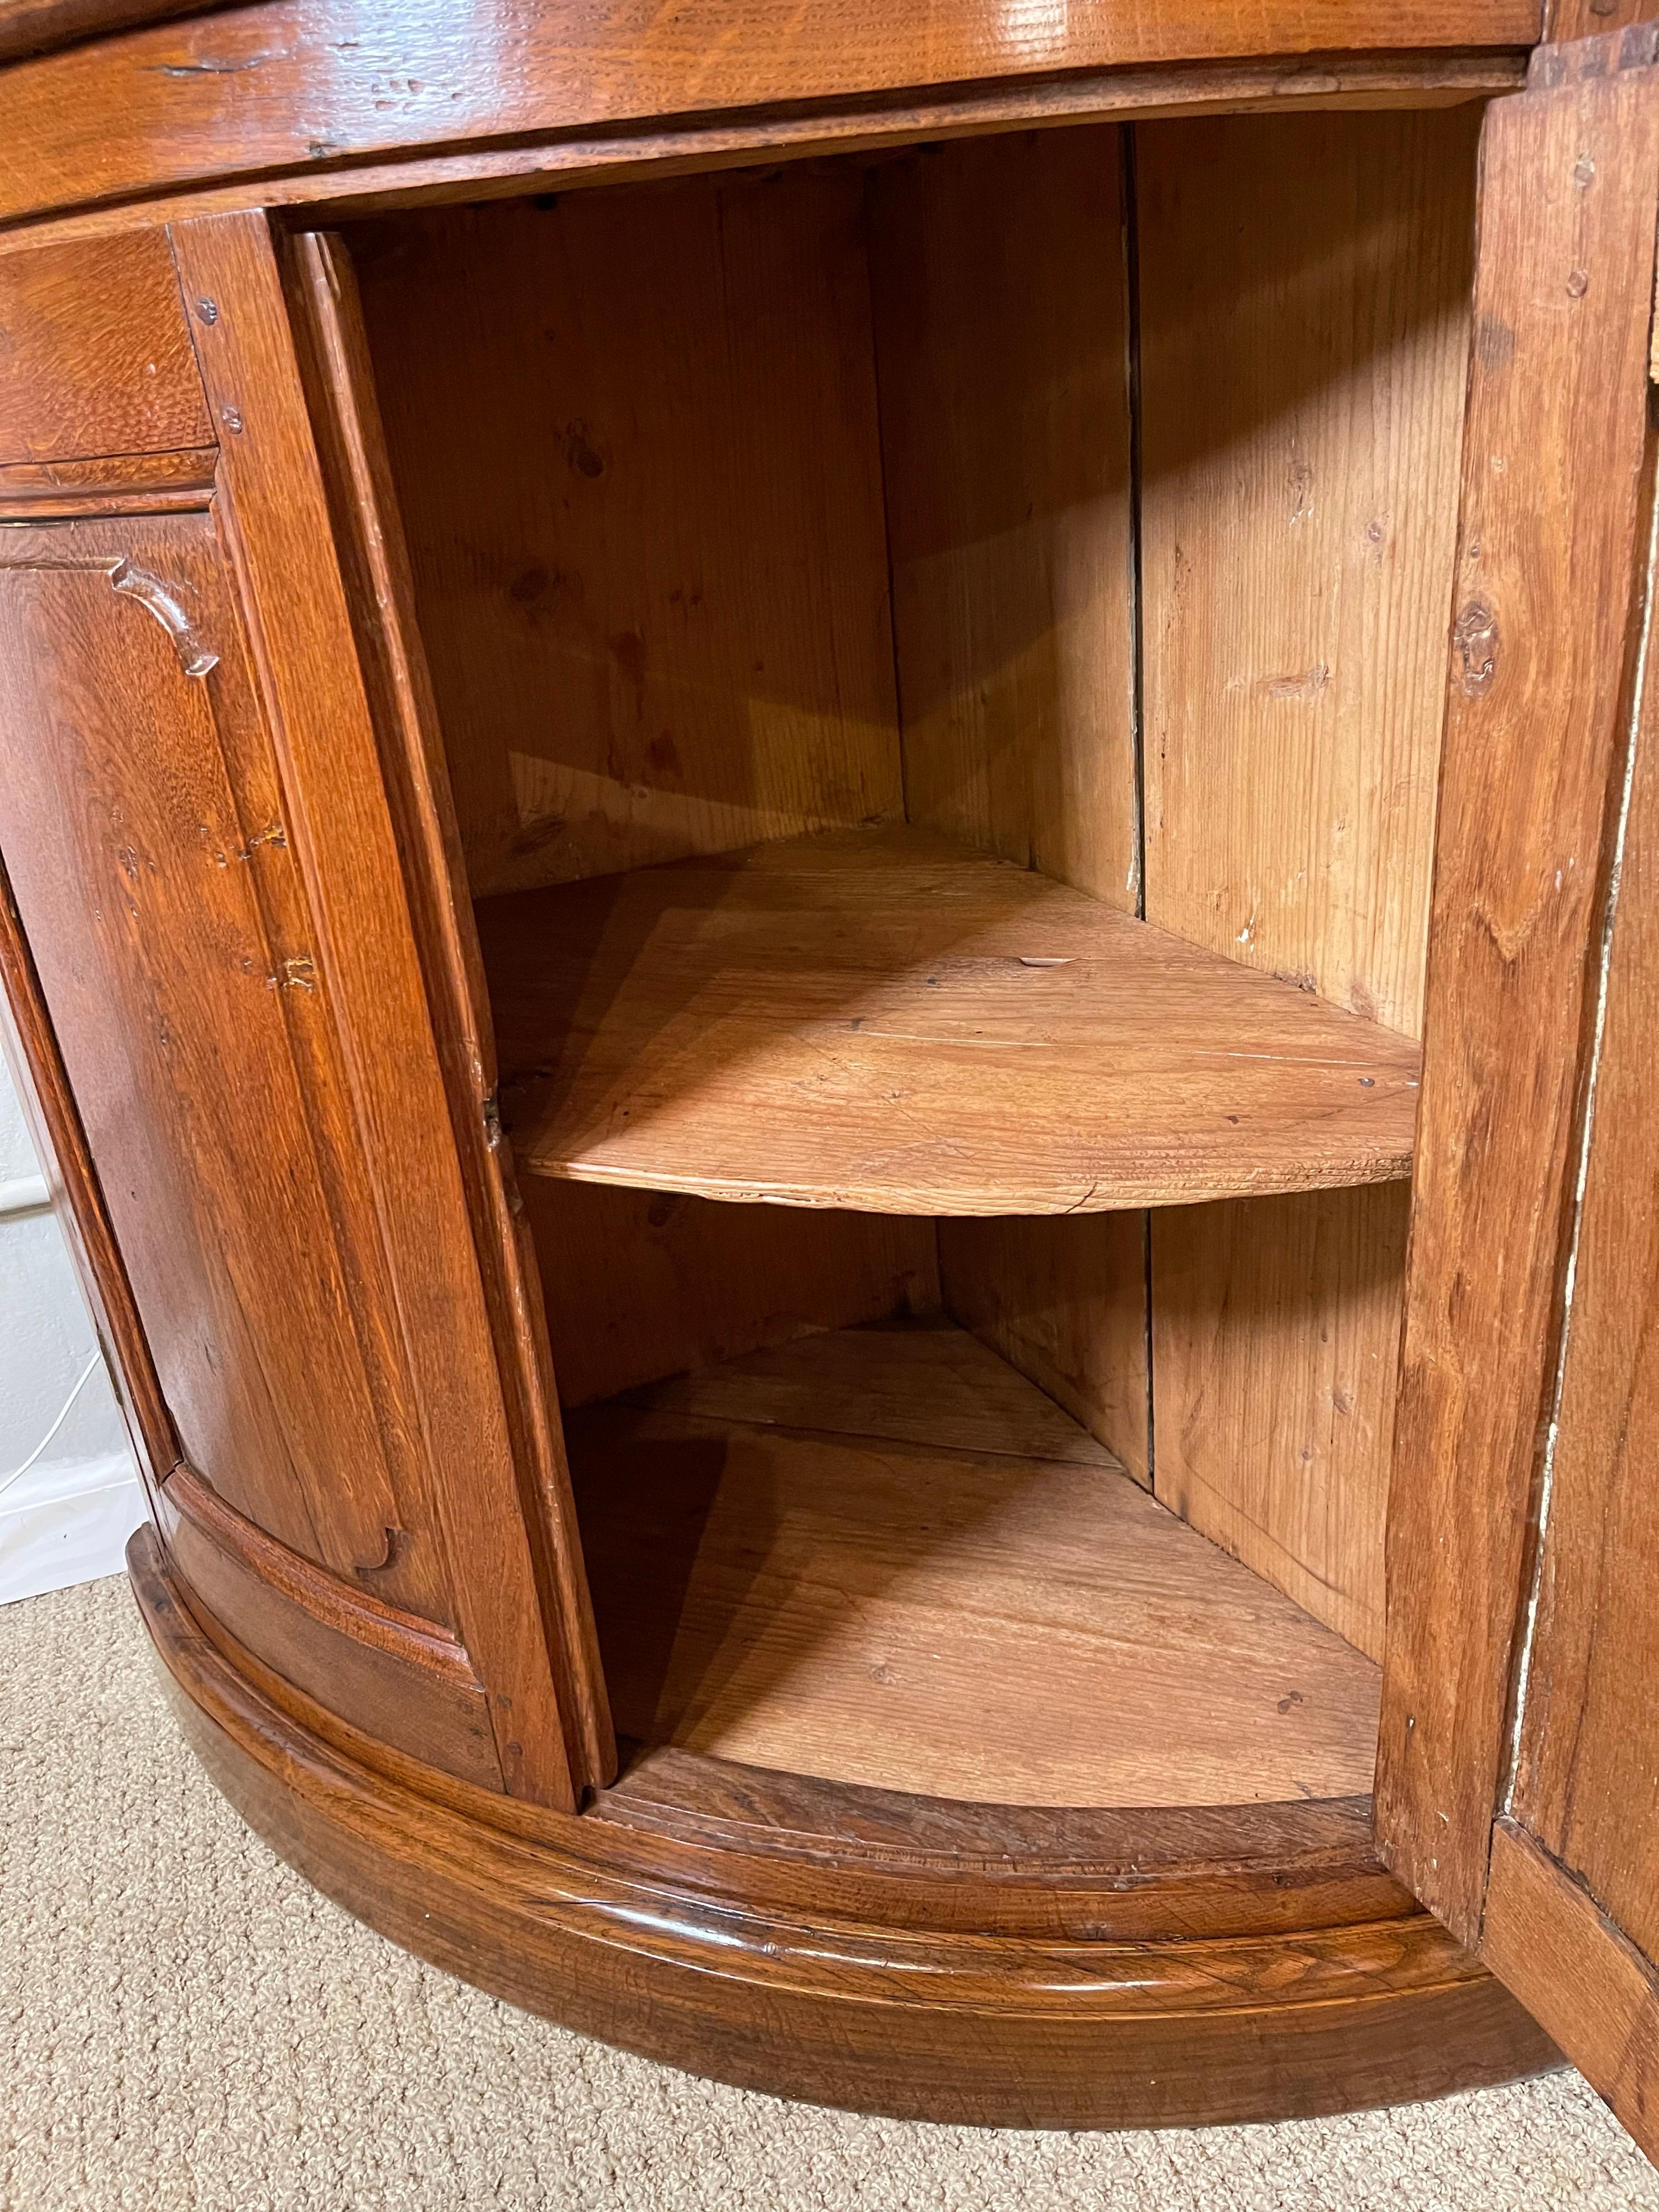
(70, 1516)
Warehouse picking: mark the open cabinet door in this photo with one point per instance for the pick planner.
(1518, 1769)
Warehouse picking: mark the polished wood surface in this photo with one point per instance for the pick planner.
(1537, 718)
(643, 1283)
(95, 357)
(799, 499)
(416, 1293)
(324, 86)
(881, 1019)
(635, 443)
(114, 484)
(401, 1678)
(170, 987)
(884, 1557)
(35, 26)
(332, 357)
(1137, 1993)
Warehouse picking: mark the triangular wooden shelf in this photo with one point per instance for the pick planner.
(883, 1019)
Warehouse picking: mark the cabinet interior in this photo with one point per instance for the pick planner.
(941, 661)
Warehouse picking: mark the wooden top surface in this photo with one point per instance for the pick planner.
(882, 1019)
(296, 98)
(957, 1617)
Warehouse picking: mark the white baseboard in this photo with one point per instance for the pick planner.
(67, 1521)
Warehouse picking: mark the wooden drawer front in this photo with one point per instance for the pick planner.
(95, 355)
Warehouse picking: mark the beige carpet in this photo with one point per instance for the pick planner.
(184, 2024)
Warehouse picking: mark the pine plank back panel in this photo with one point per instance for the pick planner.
(635, 441)
(1299, 513)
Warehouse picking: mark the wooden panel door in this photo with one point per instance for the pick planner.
(1516, 1789)
(210, 951)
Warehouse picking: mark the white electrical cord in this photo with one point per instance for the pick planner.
(18, 1472)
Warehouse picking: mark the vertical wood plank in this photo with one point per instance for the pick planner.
(664, 1284)
(1552, 543)
(1001, 319)
(334, 359)
(634, 434)
(1275, 1346)
(1304, 320)
(1064, 1300)
(434, 1322)
(1587, 1778)
(1545, 1938)
(1000, 282)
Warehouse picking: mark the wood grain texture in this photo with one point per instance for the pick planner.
(1000, 276)
(1586, 1782)
(561, 160)
(1001, 316)
(41, 1085)
(921, 1381)
(119, 483)
(417, 1292)
(1064, 1300)
(1566, 20)
(293, 84)
(396, 1677)
(1275, 1340)
(368, 536)
(640, 1939)
(951, 1617)
(1588, 1987)
(95, 353)
(642, 1284)
(641, 477)
(1299, 522)
(36, 27)
(1556, 458)
(142, 821)
(876, 1018)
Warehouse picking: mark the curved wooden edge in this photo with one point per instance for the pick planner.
(569, 1916)
(403, 1678)
(329, 1600)
(40, 27)
(192, 158)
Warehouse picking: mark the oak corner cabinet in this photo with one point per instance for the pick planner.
(830, 855)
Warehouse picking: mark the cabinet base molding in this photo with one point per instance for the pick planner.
(919, 1958)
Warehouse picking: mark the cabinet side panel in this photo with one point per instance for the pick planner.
(1588, 1780)
(1545, 1938)
(634, 435)
(1305, 324)
(1553, 543)
(998, 275)
(388, 1108)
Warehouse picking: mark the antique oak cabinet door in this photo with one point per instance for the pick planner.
(1518, 1775)
(210, 936)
